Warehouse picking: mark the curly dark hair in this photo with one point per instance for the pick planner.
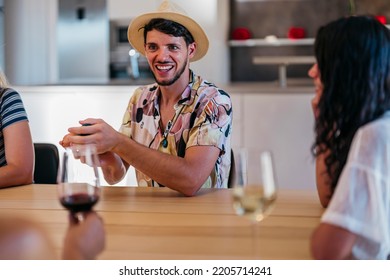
(168, 27)
(353, 57)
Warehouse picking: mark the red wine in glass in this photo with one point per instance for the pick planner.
(78, 182)
(79, 202)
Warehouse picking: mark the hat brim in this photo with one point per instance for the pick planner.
(135, 32)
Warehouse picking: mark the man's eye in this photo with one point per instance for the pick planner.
(151, 47)
(173, 48)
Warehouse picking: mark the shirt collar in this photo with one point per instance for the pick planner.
(187, 96)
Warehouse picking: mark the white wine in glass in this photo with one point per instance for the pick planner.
(252, 202)
(254, 191)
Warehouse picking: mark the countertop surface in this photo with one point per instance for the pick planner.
(304, 85)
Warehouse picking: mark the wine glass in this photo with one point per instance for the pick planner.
(254, 191)
(78, 179)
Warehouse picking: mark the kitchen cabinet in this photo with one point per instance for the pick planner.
(282, 123)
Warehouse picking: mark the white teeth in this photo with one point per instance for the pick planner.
(163, 67)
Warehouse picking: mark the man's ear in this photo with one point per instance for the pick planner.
(192, 50)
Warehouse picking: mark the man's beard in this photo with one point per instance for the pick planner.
(174, 79)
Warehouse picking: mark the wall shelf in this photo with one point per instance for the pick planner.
(271, 42)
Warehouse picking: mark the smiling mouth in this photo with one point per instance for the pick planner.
(164, 67)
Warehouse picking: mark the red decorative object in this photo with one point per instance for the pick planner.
(241, 33)
(296, 33)
(381, 19)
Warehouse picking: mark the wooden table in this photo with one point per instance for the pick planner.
(158, 223)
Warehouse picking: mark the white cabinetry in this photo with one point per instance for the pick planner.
(282, 123)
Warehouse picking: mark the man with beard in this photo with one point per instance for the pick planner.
(176, 132)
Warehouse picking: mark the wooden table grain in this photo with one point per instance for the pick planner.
(158, 223)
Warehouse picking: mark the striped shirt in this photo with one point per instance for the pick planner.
(11, 111)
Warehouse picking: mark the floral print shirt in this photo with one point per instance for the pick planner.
(203, 118)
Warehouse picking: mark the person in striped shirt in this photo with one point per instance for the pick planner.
(16, 145)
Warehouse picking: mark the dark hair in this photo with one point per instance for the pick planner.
(168, 27)
(353, 57)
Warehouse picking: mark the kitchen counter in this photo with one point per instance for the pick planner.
(295, 85)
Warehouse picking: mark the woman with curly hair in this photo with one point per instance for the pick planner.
(352, 142)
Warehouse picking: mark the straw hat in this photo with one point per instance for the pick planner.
(170, 11)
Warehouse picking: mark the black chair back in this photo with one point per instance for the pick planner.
(46, 163)
(232, 172)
